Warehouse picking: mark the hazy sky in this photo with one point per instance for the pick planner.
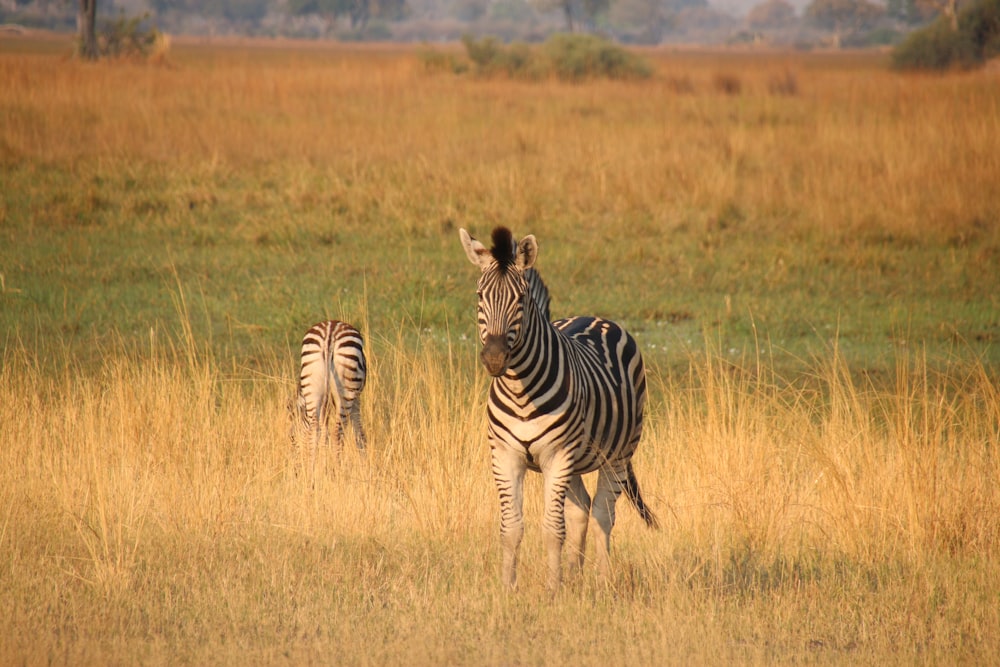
(734, 7)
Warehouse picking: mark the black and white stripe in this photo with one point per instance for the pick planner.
(566, 399)
(331, 378)
(539, 292)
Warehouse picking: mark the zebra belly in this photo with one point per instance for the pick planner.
(536, 442)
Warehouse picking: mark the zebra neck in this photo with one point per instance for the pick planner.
(537, 351)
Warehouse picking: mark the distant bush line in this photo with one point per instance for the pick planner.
(940, 47)
(566, 57)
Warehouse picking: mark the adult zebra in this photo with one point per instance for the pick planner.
(332, 375)
(566, 399)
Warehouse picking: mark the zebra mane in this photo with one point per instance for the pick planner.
(504, 247)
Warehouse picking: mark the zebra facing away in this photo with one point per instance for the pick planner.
(566, 399)
(331, 378)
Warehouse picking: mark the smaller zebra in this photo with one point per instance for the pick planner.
(331, 379)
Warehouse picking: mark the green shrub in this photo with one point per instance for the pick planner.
(578, 57)
(486, 54)
(435, 61)
(936, 47)
(566, 57)
(939, 47)
(981, 24)
(129, 38)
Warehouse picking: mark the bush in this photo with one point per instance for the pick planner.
(435, 61)
(935, 47)
(566, 57)
(939, 47)
(130, 39)
(489, 57)
(981, 24)
(578, 57)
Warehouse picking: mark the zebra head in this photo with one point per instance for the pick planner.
(502, 292)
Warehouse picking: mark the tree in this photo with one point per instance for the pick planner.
(568, 8)
(359, 11)
(938, 46)
(771, 14)
(328, 10)
(843, 15)
(86, 28)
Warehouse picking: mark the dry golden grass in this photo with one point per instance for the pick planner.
(832, 154)
(148, 509)
(151, 515)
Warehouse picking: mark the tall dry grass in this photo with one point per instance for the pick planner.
(829, 149)
(151, 513)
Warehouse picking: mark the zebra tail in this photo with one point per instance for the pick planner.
(632, 491)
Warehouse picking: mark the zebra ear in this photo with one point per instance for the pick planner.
(476, 251)
(527, 252)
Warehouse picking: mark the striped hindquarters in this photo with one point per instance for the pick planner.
(332, 375)
(615, 377)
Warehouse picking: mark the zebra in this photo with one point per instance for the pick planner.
(566, 399)
(332, 375)
(539, 292)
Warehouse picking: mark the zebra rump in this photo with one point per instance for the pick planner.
(332, 375)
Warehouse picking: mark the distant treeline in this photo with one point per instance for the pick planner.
(854, 23)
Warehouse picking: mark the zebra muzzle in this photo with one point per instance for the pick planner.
(495, 355)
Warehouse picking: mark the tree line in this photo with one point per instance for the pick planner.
(821, 22)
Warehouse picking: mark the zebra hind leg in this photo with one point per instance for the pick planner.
(577, 518)
(359, 431)
(317, 436)
(557, 480)
(344, 408)
(609, 487)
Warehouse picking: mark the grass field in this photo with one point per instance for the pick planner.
(806, 246)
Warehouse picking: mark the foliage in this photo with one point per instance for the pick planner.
(841, 15)
(130, 38)
(771, 14)
(878, 37)
(512, 10)
(321, 7)
(980, 23)
(912, 11)
(435, 61)
(231, 10)
(489, 57)
(579, 57)
(642, 21)
(939, 47)
(563, 56)
(936, 47)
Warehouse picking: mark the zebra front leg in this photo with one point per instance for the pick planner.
(557, 479)
(508, 474)
(577, 517)
(609, 487)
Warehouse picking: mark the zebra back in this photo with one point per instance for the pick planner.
(538, 291)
